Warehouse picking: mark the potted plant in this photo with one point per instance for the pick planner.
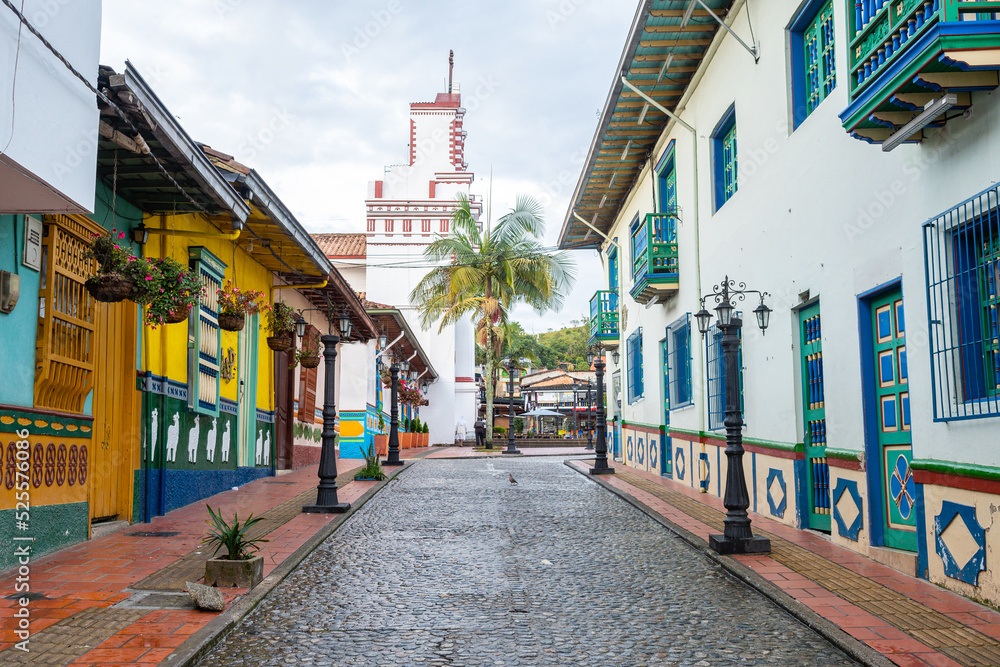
(168, 291)
(426, 435)
(239, 567)
(111, 283)
(372, 471)
(235, 304)
(308, 354)
(280, 326)
(381, 438)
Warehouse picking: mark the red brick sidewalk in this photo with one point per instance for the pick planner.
(97, 574)
(910, 621)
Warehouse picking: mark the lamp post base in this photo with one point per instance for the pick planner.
(602, 471)
(338, 508)
(393, 463)
(747, 545)
(511, 451)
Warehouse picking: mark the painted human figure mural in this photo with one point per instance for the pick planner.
(267, 448)
(173, 437)
(259, 453)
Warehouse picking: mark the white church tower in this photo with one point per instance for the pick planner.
(406, 210)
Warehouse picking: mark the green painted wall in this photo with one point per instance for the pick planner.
(52, 526)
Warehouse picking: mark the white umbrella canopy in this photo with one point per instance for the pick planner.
(541, 412)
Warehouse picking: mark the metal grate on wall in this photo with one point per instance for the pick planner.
(962, 266)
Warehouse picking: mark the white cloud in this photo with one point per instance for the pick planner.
(534, 75)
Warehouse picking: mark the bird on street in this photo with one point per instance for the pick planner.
(512, 480)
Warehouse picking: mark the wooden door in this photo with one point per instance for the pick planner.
(892, 414)
(284, 397)
(116, 428)
(814, 418)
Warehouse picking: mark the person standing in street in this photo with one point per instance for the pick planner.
(480, 427)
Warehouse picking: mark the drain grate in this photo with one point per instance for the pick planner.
(153, 533)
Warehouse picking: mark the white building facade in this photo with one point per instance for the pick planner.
(847, 168)
(405, 212)
(48, 144)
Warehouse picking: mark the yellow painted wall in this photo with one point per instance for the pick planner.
(165, 350)
(861, 545)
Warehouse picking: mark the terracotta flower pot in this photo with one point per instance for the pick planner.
(280, 343)
(382, 445)
(110, 287)
(309, 362)
(226, 573)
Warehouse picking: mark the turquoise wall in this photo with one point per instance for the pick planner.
(17, 329)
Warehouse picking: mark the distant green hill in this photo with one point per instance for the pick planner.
(569, 345)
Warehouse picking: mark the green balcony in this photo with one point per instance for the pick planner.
(906, 54)
(604, 318)
(654, 257)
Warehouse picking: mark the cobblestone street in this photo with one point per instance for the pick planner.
(452, 565)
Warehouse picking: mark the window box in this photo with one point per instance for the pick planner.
(654, 257)
(905, 54)
(604, 318)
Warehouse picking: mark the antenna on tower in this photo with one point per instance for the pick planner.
(451, 66)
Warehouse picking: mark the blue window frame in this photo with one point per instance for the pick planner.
(666, 181)
(613, 268)
(634, 371)
(814, 73)
(724, 157)
(962, 262)
(679, 362)
(639, 245)
(716, 372)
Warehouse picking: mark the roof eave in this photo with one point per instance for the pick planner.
(170, 132)
(638, 27)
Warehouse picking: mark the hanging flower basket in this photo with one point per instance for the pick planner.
(176, 317)
(309, 362)
(279, 343)
(110, 287)
(232, 321)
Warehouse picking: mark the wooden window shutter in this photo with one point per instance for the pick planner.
(67, 315)
(205, 337)
(307, 383)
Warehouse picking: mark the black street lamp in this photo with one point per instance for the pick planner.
(595, 356)
(590, 430)
(511, 449)
(326, 494)
(737, 537)
(393, 459)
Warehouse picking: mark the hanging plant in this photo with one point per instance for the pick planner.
(235, 304)
(308, 354)
(110, 284)
(168, 291)
(281, 326)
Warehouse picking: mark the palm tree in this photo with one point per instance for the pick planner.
(483, 274)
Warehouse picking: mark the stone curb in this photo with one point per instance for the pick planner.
(855, 649)
(200, 643)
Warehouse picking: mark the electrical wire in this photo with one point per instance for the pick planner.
(104, 98)
(13, 86)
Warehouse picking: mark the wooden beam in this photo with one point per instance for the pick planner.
(656, 29)
(953, 81)
(678, 57)
(677, 13)
(656, 70)
(671, 43)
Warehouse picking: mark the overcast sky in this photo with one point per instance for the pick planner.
(315, 94)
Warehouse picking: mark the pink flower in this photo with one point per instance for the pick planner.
(121, 235)
(149, 277)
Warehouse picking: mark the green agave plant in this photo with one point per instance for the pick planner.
(232, 536)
